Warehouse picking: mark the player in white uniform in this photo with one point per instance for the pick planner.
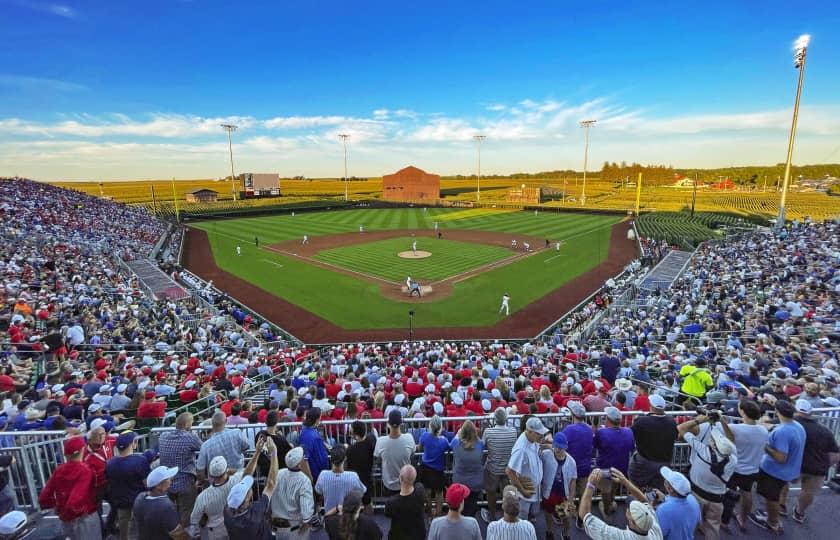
(408, 283)
(527, 246)
(361, 228)
(505, 304)
(414, 247)
(305, 239)
(557, 245)
(436, 225)
(513, 243)
(238, 251)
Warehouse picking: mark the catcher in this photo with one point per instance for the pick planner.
(558, 489)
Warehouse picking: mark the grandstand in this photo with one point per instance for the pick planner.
(99, 312)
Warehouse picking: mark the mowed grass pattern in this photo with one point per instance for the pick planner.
(357, 303)
(380, 258)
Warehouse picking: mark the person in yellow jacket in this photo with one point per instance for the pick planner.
(696, 380)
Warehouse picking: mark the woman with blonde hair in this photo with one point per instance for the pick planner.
(468, 465)
(434, 447)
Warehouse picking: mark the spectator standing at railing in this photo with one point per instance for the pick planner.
(126, 473)
(499, 440)
(525, 472)
(468, 464)
(177, 449)
(405, 509)
(360, 458)
(71, 490)
(334, 484)
(153, 515)
(279, 439)
(749, 438)
(432, 463)
(820, 453)
(314, 448)
(654, 434)
(395, 451)
(613, 444)
(581, 439)
(222, 442)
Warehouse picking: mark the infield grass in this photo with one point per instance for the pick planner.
(356, 304)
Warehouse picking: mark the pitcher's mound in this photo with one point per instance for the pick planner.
(414, 254)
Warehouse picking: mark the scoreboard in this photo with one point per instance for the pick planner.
(261, 184)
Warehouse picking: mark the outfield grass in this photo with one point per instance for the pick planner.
(449, 258)
(354, 303)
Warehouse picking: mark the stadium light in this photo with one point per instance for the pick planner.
(800, 48)
(479, 139)
(344, 137)
(230, 128)
(585, 124)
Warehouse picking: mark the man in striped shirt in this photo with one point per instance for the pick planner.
(292, 503)
(499, 441)
(334, 484)
(511, 527)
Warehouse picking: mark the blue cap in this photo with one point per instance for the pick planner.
(560, 441)
(125, 440)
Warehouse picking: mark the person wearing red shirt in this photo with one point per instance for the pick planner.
(189, 394)
(414, 387)
(150, 408)
(7, 383)
(474, 404)
(71, 491)
(227, 406)
(332, 388)
(642, 401)
(97, 452)
(218, 372)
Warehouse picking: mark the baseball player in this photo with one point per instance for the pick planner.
(557, 245)
(305, 239)
(361, 228)
(436, 225)
(414, 247)
(415, 288)
(526, 246)
(257, 241)
(513, 243)
(505, 304)
(238, 250)
(408, 283)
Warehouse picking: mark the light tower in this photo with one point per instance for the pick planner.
(479, 139)
(344, 137)
(585, 124)
(230, 128)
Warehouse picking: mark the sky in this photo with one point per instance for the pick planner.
(93, 90)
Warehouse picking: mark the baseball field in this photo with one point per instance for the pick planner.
(350, 275)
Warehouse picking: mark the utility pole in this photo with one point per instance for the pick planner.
(800, 51)
(230, 128)
(585, 124)
(479, 139)
(344, 137)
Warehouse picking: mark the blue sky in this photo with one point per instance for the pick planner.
(95, 89)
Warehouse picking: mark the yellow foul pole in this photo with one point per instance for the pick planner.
(638, 193)
(175, 200)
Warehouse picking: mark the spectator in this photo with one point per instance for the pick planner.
(510, 526)
(696, 381)
(360, 458)
(246, 519)
(7, 495)
(525, 472)
(558, 489)
(279, 439)
(454, 526)
(581, 441)
(208, 513)
(750, 439)
(292, 503)
(654, 435)
(226, 443)
(351, 524)
(313, 445)
(13, 525)
(468, 465)
(177, 450)
(151, 407)
(335, 484)
(782, 463)
(820, 453)
(126, 473)
(434, 447)
(641, 519)
(679, 514)
(614, 445)
(153, 515)
(499, 440)
(713, 461)
(395, 451)
(71, 490)
(408, 521)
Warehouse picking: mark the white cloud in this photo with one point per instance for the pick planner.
(60, 10)
(303, 122)
(38, 84)
(496, 107)
(158, 125)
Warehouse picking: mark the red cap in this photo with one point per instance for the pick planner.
(455, 495)
(73, 445)
(150, 395)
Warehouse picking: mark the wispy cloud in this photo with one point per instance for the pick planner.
(38, 84)
(59, 10)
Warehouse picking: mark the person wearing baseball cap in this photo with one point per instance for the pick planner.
(510, 526)
(126, 473)
(581, 442)
(71, 491)
(395, 450)
(655, 434)
(613, 444)
(679, 513)
(781, 463)
(153, 513)
(641, 518)
(820, 452)
(525, 472)
(293, 501)
(334, 484)
(559, 481)
(13, 525)
(453, 524)
(750, 439)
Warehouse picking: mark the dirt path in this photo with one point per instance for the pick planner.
(525, 323)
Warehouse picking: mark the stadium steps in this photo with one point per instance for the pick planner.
(155, 280)
(663, 274)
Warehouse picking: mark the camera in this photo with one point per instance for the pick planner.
(713, 415)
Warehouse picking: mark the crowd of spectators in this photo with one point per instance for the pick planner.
(746, 341)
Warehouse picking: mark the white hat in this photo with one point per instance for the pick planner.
(198, 371)
(12, 522)
(105, 388)
(430, 389)
(121, 388)
(218, 466)
(159, 474)
(536, 425)
(189, 384)
(658, 402)
(457, 399)
(94, 407)
(612, 414)
(438, 407)
(294, 457)
(643, 516)
(677, 480)
(303, 390)
(485, 405)
(238, 492)
(399, 398)
(99, 422)
(623, 384)
(496, 393)
(724, 445)
(56, 387)
(803, 406)
(143, 384)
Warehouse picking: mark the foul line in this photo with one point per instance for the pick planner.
(554, 257)
(278, 265)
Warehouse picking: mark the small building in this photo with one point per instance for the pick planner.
(411, 185)
(260, 185)
(202, 195)
(524, 195)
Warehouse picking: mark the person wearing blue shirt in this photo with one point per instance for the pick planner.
(781, 464)
(679, 514)
(314, 449)
(434, 446)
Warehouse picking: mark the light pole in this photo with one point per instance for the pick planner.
(800, 48)
(479, 139)
(411, 325)
(230, 128)
(585, 124)
(344, 137)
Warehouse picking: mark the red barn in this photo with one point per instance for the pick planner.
(411, 184)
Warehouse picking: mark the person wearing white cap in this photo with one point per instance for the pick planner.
(713, 459)
(293, 501)
(679, 513)
(821, 452)
(12, 525)
(209, 507)
(154, 515)
(641, 518)
(525, 471)
(246, 519)
(655, 434)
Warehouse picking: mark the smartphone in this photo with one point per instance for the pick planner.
(606, 473)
